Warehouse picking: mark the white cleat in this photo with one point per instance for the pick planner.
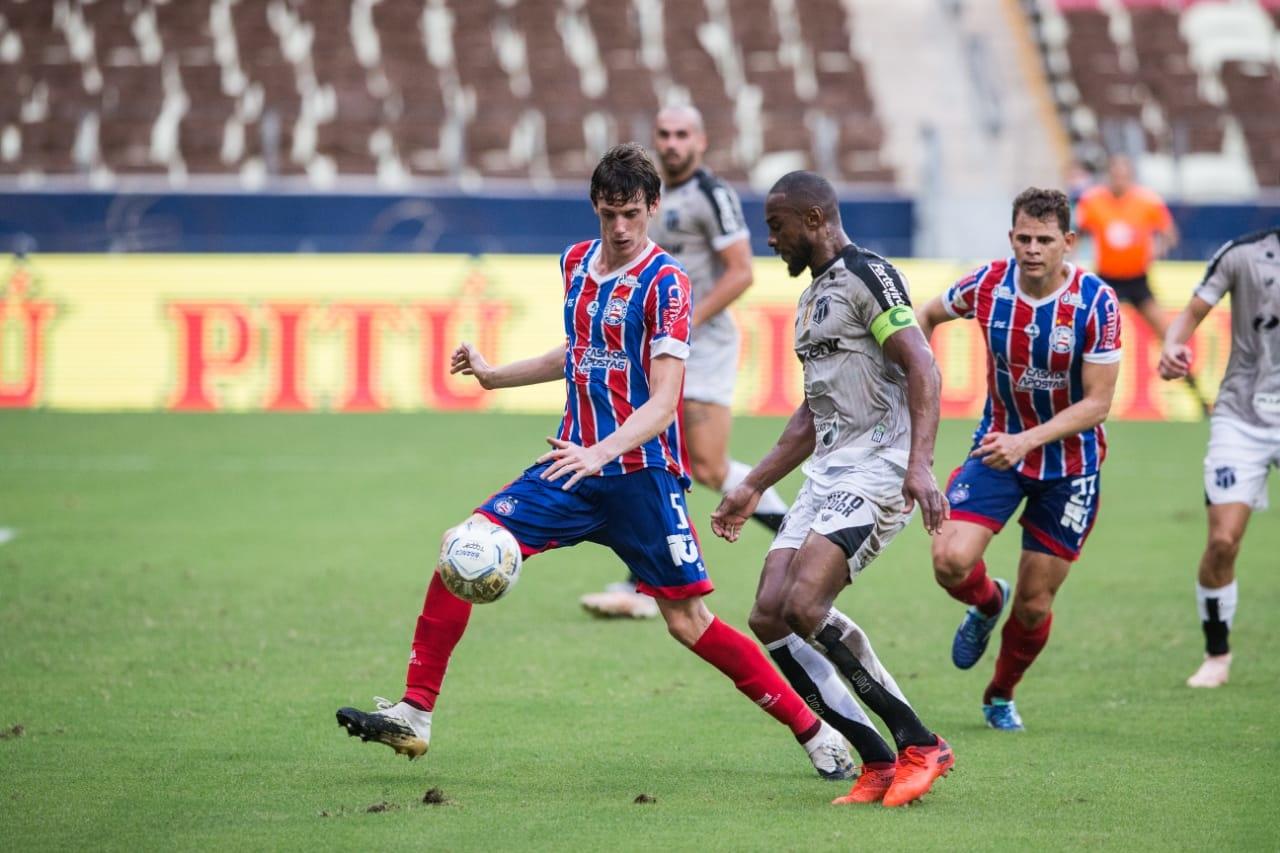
(1214, 672)
(620, 601)
(399, 725)
(830, 755)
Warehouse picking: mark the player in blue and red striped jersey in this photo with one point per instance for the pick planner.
(1052, 334)
(617, 471)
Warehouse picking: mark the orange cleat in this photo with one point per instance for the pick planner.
(917, 768)
(871, 785)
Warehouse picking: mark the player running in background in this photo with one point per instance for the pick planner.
(700, 222)
(1052, 333)
(617, 471)
(1244, 435)
(867, 427)
(1131, 227)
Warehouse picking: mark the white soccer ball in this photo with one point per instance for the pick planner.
(479, 561)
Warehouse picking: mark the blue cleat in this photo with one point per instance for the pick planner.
(1002, 715)
(971, 637)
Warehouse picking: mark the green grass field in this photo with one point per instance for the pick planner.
(187, 599)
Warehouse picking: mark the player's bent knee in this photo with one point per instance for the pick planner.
(802, 615)
(682, 631)
(709, 473)
(687, 621)
(1223, 547)
(951, 565)
(767, 624)
(1031, 612)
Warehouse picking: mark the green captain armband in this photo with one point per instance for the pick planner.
(895, 319)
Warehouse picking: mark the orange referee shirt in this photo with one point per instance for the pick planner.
(1123, 228)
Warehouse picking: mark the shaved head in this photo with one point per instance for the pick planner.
(806, 190)
(680, 140)
(803, 216)
(686, 114)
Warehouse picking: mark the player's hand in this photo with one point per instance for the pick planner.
(919, 485)
(468, 361)
(570, 458)
(1175, 361)
(735, 508)
(1002, 450)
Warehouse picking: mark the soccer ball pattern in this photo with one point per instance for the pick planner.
(479, 561)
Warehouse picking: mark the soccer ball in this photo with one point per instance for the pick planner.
(479, 561)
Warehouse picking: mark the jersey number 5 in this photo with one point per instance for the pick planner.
(684, 548)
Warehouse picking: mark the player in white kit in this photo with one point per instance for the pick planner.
(1244, 433)
(865, 435)
(700, 222)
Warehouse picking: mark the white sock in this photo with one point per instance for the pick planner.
(830, 685)
(1226, 597)
(856, 640)
(771, 503)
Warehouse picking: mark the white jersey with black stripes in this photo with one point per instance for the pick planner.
(1248, 268)
(698, 219)
(858, 397)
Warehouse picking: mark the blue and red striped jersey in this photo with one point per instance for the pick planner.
(616, 322)
(1036, 350)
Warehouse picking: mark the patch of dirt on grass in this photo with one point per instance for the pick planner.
(644, 799)
(383, 806)
(435, 797)
(17, 730)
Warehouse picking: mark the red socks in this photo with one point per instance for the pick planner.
(444, 619)
(978, 590)
(1019, 646)
(440, 627)
(731, 652)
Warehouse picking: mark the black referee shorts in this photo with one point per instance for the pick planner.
(1134, 290)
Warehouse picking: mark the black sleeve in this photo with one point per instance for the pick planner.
(881, 277)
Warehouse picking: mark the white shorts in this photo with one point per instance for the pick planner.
(858, 508)
(711, 371)
(1239, 458)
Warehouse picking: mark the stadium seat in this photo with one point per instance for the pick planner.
(1151, 75)
(467, 89)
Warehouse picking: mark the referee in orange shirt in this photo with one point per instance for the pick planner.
(1131, 227)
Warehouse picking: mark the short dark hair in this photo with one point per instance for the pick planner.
(623, 173)
(808, 189)
(1042, 204)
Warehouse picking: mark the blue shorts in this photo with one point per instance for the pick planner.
(1059, 512)
(641, 516)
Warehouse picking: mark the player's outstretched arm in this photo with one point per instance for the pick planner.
(793, 447)
(1002, 450)
(547, 367)
(731, 284)
(666, 377)
(931, 315)
(1175, 357)
(909, 349)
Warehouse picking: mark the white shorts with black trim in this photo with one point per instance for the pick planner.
(858, 508)
(1239, 459)
(711, 371)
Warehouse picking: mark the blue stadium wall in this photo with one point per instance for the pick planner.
(44, 222)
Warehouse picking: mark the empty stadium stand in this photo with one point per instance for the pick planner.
(1193, 86)
(476, 92)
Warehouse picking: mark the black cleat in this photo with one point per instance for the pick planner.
(399, 726)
